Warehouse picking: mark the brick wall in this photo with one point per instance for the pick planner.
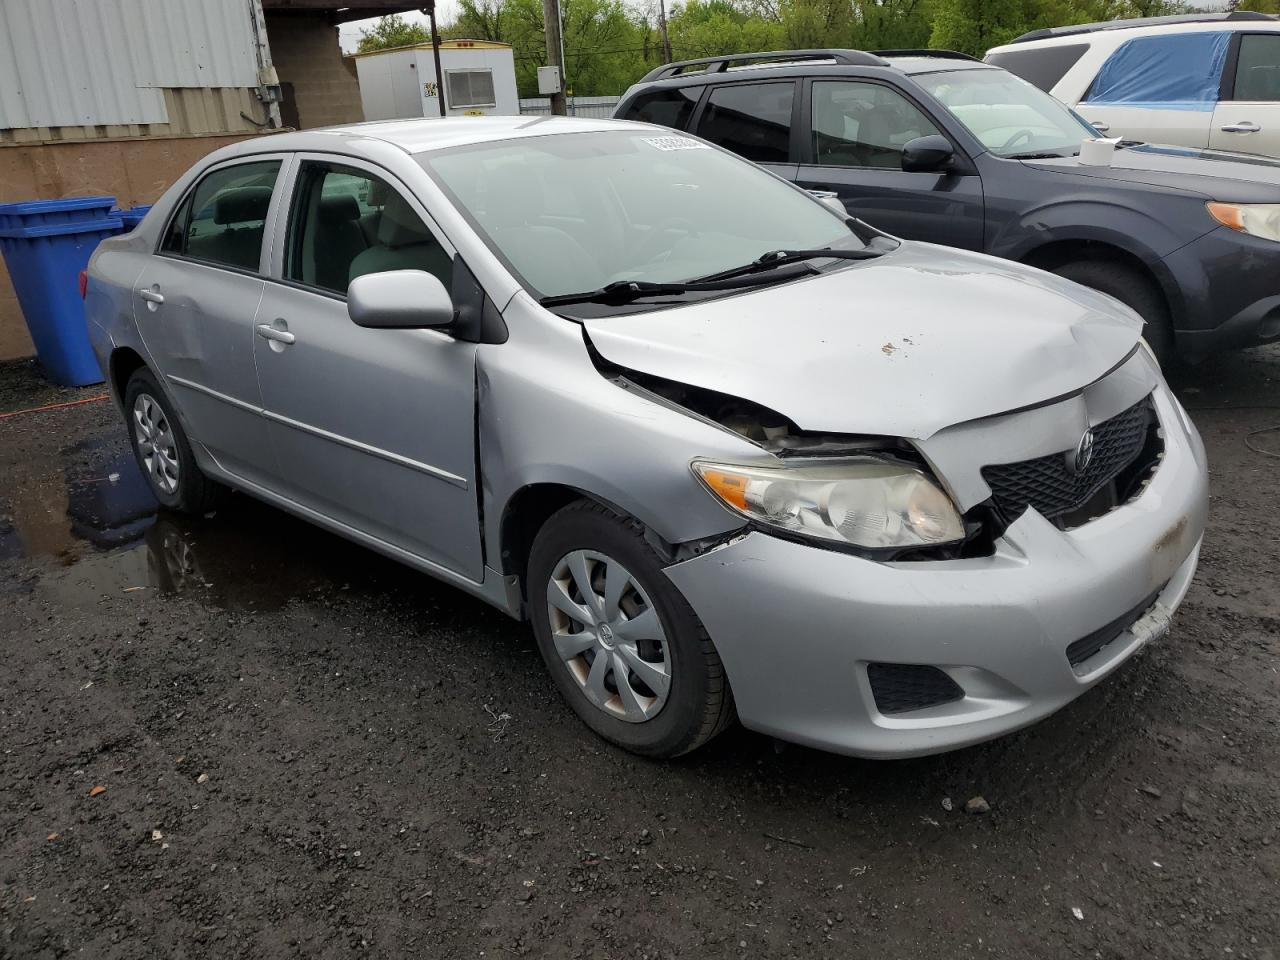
(307, 58)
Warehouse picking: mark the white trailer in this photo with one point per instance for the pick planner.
(479, 79)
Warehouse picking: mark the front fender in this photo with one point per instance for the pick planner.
(1135, 231)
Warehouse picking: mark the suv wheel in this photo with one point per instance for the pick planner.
(623, 646)
(1136, 292)
(162, 450)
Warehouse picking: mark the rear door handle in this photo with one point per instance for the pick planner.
(1244, 126)
(151, 295)
(268, 332)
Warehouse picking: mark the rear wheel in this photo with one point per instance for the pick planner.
(162, 450)
(623, 646)
(1134, 290)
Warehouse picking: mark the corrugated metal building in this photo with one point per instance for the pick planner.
(121, 96)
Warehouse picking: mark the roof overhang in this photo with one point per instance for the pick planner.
(340, 13)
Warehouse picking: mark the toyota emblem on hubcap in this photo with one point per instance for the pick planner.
(1079, 461)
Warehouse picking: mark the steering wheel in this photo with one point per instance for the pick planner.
(654, 238)
(1022, 134)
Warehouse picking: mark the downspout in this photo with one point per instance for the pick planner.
(268, 89)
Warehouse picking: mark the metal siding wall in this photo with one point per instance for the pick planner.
(72, 63)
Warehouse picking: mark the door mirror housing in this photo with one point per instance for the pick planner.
(931, 154)
(399, 300)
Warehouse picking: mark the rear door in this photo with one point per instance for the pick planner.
(856, 130)
(372, 428)
(1247, 118)
(754, 120)
(195, 303)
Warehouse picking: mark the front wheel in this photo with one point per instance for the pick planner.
(162, 449)
(623, 646)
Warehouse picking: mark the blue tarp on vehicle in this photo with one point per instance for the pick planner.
(1179, 71)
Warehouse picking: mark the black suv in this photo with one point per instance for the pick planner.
(936, 146)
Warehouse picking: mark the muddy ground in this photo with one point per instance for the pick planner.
(308, 751)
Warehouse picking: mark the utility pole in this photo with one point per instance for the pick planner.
(430, 11)
(555, 51)
(662, 29)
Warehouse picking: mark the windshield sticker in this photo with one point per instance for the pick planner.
(675, 143)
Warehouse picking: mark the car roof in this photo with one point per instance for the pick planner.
(927, 64)
(804, 63)
(1117, 31)
(426, 134)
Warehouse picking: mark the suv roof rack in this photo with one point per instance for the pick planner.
(1140, 22)
(852, 58)
(922, 52)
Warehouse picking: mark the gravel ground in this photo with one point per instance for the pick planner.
(241, 737)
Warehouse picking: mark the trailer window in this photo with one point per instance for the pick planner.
(470, 88)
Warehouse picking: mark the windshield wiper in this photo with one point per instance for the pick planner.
(1039, 156)
(780, 258)
(625, 291)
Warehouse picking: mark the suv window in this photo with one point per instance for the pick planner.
(223, 219)
(863, 124)
(1258, 68)
(346, 223)
(1043, 66)
(753, 120)
(1181, 68)
(670, 108)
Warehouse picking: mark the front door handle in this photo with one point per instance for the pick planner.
(151, 294)
(275, 334)
(1244, 126)
(1100, 126)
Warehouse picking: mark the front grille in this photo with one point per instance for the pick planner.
(901, 687)
(1088, 646)
(1048, 484)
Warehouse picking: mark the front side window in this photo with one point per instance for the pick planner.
(650, 207)
(1258, 68)
(223, 220)
(1008, 115)
(863, 124)
(1173, 71)
(470, 88)
(346, 223)
(667, 108)
(753, 120)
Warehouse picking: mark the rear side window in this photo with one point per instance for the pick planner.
(223, 220)
(1258, 68)
(669, 108)
(1043, 66)
(752, 120)
(1175, 71)
(346, 223)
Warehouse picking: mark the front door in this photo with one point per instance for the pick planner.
(857, 129)
(195, 303)
(1247, 119)
(372, 428)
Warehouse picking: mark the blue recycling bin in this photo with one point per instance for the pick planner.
(46, 243)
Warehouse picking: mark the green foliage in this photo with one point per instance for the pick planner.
(393, 31)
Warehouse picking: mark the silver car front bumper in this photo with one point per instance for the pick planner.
(797, 626)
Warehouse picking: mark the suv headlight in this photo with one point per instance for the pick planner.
(866, 502)
(1257, 219)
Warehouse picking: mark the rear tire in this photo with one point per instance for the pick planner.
(162, 450)
(1135, 291)
(587, 541)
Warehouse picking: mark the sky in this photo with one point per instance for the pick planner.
(349, 33)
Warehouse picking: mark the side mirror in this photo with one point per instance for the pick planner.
(399, 300)
(931, 154)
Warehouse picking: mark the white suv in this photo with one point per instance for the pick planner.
(1203, 80)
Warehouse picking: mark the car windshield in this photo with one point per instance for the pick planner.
(576, 212)
(1011, 117)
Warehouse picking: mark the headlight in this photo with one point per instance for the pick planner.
(867, 503)
(1257, 219)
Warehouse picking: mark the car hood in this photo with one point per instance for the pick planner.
(1214, 174)
(903, 345)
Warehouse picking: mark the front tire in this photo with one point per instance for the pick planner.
(623, 646)
(1135, 291)
(162, 450)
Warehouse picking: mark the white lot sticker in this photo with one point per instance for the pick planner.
(675, 143)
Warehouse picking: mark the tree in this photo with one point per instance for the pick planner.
(392, 31)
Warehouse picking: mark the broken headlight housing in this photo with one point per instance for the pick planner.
(865, 502)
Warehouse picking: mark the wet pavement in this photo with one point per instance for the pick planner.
(310, 751)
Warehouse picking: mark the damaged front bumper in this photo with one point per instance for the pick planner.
(798, 626)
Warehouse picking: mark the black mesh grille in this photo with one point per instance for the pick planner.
(1088, 646)
(1047, 483)
(899, 687)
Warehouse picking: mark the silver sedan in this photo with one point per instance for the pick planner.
(732, 453)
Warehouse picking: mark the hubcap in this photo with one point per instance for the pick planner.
(608, 636)
(156, 444)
